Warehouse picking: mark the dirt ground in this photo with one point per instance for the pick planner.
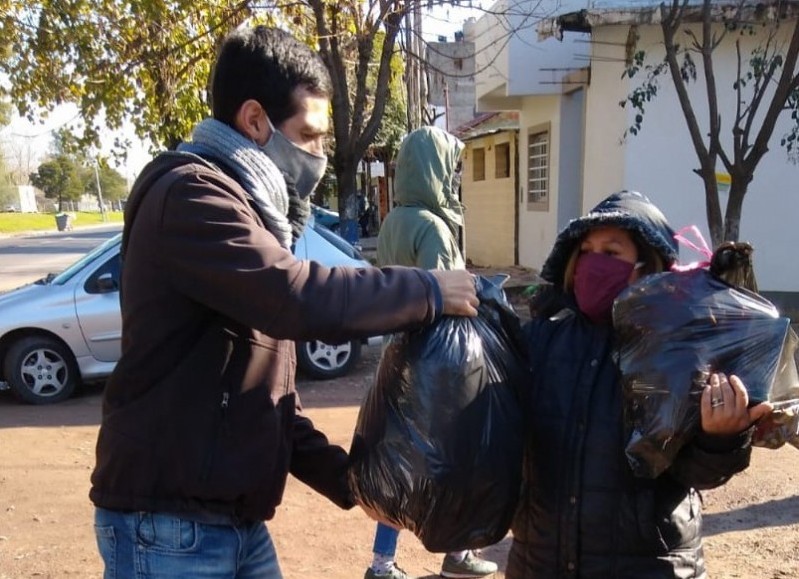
(46, 456)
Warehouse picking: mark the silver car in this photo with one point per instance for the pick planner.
(66, 328)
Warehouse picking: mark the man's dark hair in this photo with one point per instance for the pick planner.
(267, 65)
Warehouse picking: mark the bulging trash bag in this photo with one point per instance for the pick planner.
(437, 447)
(673, 329)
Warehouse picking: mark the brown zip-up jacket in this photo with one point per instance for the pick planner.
(201, 415)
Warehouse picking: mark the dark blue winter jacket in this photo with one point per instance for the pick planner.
(582, 513)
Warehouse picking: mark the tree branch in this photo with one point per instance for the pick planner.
(670, 21)
(785, 86)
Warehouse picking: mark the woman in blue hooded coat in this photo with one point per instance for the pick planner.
(583, 514)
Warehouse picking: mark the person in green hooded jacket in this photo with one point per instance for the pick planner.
(422, 231)
(423, 227)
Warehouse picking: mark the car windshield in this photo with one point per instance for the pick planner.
(76, 267)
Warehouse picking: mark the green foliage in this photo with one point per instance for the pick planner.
(646, 91)
(395, 118)
(688, 68)
(113, 186)
(790, 139)
(7, 188)
(147, 63)
(8, 194)
(142, 61)
(21, 222)
(5, 112)
(59, 178)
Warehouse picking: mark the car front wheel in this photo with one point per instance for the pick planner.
(40, 370)
(325, 361)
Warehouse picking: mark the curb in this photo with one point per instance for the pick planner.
(43, 232)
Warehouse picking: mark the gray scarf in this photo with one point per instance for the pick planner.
(257, 173)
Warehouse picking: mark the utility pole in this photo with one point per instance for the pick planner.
(413, 65)
(99, 191)
(446, 106)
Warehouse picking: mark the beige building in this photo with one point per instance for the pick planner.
(488, 189)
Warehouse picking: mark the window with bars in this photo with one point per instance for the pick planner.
(502, 161)
(538, 169)
(478, 164)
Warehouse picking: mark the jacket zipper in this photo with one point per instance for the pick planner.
(209, 461)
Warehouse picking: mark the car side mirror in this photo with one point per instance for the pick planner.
(106, 283)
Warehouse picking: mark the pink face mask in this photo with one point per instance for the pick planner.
(598, 279)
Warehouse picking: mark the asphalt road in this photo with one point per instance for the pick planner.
(26, 258)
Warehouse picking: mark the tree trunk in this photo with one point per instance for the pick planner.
(346, 177)
(712, 206)
(732, 216)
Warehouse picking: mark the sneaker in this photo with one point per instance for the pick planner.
(393, 573)
(471, 566)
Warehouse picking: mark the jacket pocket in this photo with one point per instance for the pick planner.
(672, 516)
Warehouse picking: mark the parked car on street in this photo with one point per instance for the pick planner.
(326, 217)
(66, 328)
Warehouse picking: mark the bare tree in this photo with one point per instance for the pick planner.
(766, 86)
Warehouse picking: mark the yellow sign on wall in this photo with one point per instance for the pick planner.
(723, 181)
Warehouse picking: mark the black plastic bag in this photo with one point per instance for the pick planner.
(673, 329)
(437, 447)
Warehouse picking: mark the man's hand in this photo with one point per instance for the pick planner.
(724, 406)
(458, 288)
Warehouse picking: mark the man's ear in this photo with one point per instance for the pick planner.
(251, 121)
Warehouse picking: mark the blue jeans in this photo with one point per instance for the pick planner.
(159, 546)
(385, 540)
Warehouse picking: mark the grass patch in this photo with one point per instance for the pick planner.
(20, 222)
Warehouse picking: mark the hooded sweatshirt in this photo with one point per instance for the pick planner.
(421, 231)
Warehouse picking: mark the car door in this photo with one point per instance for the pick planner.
(97, 308)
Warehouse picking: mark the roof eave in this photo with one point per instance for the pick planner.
(586, 20)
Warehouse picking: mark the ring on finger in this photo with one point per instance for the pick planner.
(715, 403)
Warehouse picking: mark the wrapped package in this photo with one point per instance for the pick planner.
(779, 427)
(437, 447)
(673, 329)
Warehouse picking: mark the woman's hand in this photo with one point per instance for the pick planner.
(724, 406)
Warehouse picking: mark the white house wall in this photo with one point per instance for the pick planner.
(537, 229)
(510, 62)
(491, 55)
(660, 160)
(552, 58)
(604, 160)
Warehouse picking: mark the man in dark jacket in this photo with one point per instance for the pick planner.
(201, 423)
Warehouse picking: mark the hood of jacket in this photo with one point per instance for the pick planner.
(162, 164)
(626, 209)
(426, 165)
